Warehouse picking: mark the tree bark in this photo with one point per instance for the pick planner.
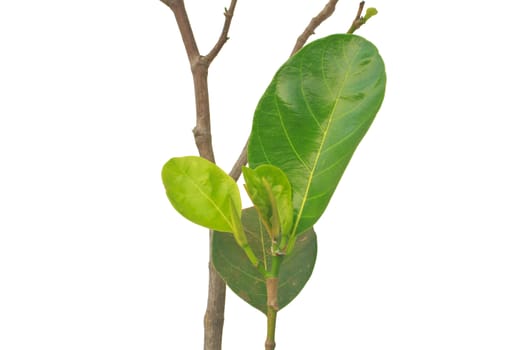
(214, 316)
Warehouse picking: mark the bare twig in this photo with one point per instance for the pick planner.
(236, 171)
(314, 23)
(228, 15)
(186, 32)
(326, 12)
(214, 317)
(358, 21)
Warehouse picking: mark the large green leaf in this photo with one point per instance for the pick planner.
(202, 192)
(313, 115)
(245, 280)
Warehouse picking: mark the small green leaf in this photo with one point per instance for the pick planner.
(202, 192)
(271, 193)
(246, 280)
(370, 12)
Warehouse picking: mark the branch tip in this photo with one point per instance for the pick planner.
(228, 15)
(326, 12)
(359, 19)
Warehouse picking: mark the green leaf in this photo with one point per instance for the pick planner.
(313, 115)
(246, 280)
(202, 192)
(370, 12)
(271, 193)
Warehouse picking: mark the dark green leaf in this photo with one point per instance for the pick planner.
(245, 280)
(202, 192)
(313, 115)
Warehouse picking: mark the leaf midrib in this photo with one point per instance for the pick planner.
(323, 141)
(209, 199)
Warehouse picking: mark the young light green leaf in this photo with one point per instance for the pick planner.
(271, 193)
(313, 115)
(202, 192)
(370, 12)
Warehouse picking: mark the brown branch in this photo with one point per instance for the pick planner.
(326, 12)
(202, 129)
(236, 171)
(199, 68)
(358, 20)
(314, 23)
(186, 32)
(214, 317)
(228, 15)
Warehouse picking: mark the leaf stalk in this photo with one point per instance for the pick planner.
(272, 285)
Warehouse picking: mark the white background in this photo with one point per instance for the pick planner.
(422, 246)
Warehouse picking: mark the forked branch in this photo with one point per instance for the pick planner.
(214, 317)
